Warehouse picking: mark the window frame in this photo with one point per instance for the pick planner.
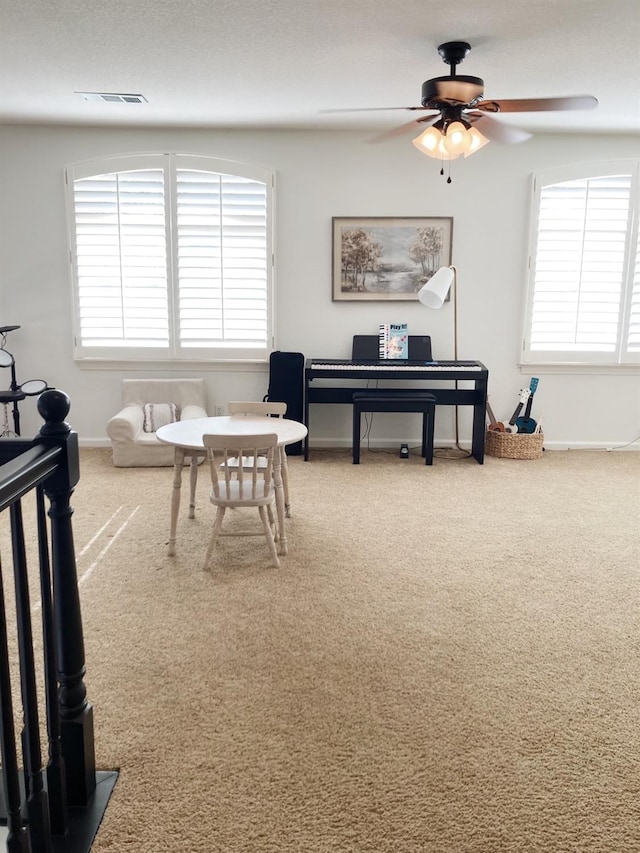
(621, 359)
(174, 353)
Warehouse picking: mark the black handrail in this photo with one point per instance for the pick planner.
(26, 472)
(40, 810)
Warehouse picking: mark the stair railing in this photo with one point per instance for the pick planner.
(40, 798)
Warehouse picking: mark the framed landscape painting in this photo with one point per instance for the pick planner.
(387, 258)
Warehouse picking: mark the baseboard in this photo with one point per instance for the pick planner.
(394, 443)
(592, 445)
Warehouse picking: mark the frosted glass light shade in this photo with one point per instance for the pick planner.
(459, 140)
(477, 140)
(434, 292)
(431, 142)
(428, 140)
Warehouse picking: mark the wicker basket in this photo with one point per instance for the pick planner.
(519, 445)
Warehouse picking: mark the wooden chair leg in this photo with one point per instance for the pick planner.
(215, 533)
(269, 535)
(272, 522)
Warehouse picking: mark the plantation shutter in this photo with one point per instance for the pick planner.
(171, 258)
(121, 260)
(633, 343)
(579, 265)
(583, 300)
(222, 260)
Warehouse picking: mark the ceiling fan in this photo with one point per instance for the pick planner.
(458, 117)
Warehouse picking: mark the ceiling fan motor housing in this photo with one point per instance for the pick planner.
(458, 90)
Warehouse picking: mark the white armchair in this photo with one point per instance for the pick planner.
(134, 447)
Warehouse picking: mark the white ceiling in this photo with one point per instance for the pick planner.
(278, 63)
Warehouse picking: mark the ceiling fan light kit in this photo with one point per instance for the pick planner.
(450, 141)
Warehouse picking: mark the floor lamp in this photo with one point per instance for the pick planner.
(433, 294)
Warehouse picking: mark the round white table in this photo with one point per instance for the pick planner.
(186, 436)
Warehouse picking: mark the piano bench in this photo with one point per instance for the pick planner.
(396, 401)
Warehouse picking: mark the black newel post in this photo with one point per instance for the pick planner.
(76, 713)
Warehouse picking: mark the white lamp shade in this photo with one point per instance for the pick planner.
(434, 292)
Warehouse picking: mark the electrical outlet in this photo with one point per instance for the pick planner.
(218, 411)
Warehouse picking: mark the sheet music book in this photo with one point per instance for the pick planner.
(393, 340)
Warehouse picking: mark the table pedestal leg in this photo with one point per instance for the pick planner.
(277, 480)
(175, 499)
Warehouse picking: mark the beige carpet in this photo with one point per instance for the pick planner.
(447, 661)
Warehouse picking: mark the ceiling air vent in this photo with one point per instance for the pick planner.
(113, 97)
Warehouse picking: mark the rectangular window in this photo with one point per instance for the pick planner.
(583, 303)
(172, 259)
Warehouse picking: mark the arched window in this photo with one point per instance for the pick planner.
(583, 302)
(172, 258)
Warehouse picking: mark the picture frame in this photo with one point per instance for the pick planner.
(387, 258)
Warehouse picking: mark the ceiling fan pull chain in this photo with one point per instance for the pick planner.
(442, 169)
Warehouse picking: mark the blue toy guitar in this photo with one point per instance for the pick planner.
(526, 423)
(511, 425)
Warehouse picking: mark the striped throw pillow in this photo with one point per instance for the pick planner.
(157, 415)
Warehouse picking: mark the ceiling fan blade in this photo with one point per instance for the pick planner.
(529, 105)
(370, 109)
(416, 124)
(496, 131)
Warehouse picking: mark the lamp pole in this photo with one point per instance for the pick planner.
(433, 295)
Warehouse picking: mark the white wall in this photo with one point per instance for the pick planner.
(319, 175)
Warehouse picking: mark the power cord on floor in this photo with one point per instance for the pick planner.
(368, 421)
(611, 448)
(456, 452)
